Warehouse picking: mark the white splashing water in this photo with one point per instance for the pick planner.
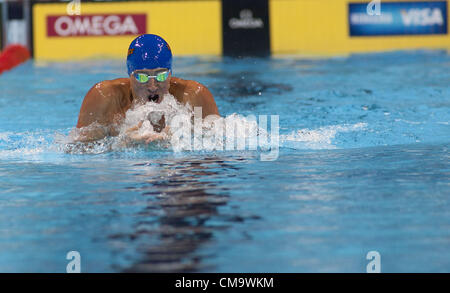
(321, 138)
(22, 144)
(214, 135)
(213, 131)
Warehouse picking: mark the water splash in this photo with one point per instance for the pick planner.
(215, 134)
(141, 121)
(321, 138)
(21, 144)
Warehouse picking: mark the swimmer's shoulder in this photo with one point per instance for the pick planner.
(185, 83)
(183, 89)
(194, 93)
(105, 101)
(115, 90)
(113, 86)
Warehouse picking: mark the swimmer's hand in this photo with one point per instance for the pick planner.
(149, 137)
(163, 135)
(134, 136)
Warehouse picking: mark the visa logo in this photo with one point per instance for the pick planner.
(422, 17)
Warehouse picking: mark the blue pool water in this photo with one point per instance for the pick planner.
(363, 165)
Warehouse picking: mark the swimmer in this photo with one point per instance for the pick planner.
(149, 64)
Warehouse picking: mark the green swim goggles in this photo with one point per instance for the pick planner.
(144, 77)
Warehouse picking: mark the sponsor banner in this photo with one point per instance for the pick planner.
(105, 29)
(96, 25)
(398, 18)
(245, 28)
(322, 28)
(238, 28)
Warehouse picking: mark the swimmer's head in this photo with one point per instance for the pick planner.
(148, 52)
(149, 64)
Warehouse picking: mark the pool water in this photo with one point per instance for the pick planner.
(363, 165)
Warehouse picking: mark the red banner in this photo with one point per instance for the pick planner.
(96, 25)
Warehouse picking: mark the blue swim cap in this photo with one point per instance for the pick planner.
(148, 52)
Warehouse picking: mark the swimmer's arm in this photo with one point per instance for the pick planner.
(97, 111)
(91, 134)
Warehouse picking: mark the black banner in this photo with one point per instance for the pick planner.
(15, 10)
(207, 282)
(245, 28)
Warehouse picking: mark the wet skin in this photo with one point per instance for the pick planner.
(107, 102)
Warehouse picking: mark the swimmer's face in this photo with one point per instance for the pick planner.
(145, 87)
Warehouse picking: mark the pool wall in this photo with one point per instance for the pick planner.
(264, 27)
